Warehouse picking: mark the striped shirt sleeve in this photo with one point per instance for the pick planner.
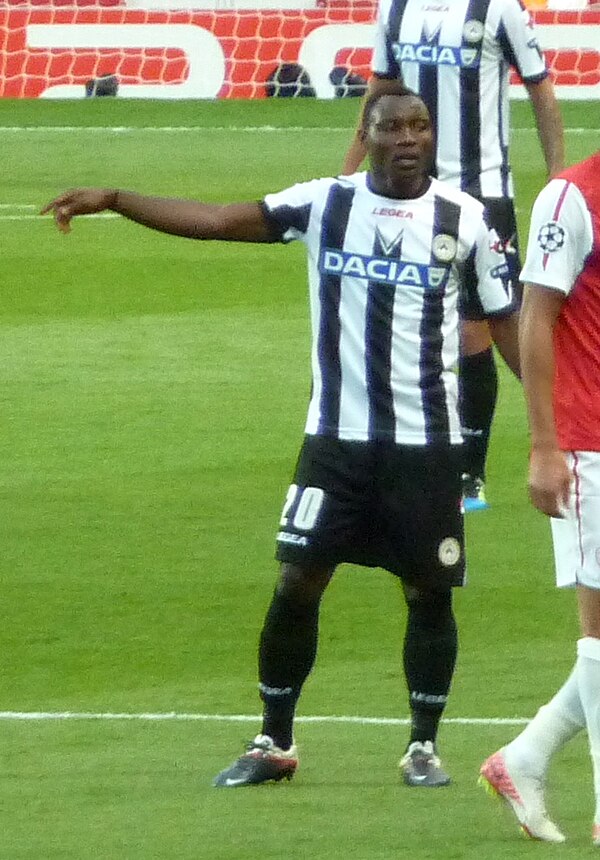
(495, 288)
(519, 42)
(288, 211)
(383, 62)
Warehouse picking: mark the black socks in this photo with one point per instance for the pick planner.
(430, 649)
(287, 651)
(288, 648)
(478, 391)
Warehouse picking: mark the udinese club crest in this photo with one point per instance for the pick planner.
(444, 247)
(449, 552)
(473, 32)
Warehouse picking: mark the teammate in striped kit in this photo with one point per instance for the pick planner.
(560, 342)
(457, 55)
(377, 482)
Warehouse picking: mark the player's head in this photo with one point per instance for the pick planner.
(393, 88)
(398, 134)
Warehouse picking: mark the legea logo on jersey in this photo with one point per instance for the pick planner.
(383, 270)
(436, 55)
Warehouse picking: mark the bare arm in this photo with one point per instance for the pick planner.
(505, 334)
(234, 222)
(549, 124)
(549, 477)
(357, 150)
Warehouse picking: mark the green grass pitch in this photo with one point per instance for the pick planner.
(153, 398)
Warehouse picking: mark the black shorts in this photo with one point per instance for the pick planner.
(501, 216)
(379, 505)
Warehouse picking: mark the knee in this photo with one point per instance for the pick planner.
(302, 586)
(430, 609)
(475, 337)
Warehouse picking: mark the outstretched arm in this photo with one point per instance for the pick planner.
(549, 124)
(233, 222)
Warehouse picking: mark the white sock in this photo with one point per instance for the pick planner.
(553, 725)
(588, 673)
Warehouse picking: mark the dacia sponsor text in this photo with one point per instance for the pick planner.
(436, 55)
(383, 270)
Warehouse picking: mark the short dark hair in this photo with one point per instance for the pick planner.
(395, 88)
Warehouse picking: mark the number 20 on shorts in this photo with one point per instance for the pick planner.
(302, 507)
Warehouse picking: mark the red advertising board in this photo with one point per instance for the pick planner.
(52, 51)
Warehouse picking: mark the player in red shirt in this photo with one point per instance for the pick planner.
(560, 358)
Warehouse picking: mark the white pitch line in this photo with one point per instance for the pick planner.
(183, 129)
(34, 716)
(37, 217)
(169, 129)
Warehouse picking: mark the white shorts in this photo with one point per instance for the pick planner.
(576, 538)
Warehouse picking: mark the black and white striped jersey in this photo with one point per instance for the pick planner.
(385, 280)
(456, 54)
